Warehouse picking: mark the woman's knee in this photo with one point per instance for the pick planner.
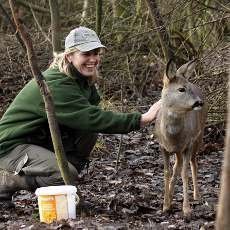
(39, 163)
(56, 178)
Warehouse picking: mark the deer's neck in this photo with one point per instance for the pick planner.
(173, 121)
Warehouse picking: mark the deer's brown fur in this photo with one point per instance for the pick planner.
(179, 130)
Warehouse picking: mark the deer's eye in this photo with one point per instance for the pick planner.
(182, 89)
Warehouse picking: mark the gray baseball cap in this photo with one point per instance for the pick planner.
(83, 39)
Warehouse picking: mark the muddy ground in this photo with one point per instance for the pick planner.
(132, 196)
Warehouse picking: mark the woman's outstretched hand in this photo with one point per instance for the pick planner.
(151, 115)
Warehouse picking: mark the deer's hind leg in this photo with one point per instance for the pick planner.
(176, 172)
(167, 173)
(194, 169)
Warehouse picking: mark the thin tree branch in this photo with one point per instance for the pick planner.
(28, 5)
(121, 136)
(206, 23)
(194, 27)
(212, 7)
(12, 26)
(161, 31)
(39, 26)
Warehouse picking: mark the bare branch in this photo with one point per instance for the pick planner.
(162, 32)
(12, 26)
(39, 26)
(35, 7)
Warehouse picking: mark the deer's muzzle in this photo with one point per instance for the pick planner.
(197, 105)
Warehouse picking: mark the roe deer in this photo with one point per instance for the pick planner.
(179, 130)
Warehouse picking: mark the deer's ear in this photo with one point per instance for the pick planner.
(187, 69)
(171, 69)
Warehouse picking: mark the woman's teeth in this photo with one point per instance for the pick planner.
(90, 66)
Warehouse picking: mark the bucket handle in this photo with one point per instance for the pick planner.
(77, 199)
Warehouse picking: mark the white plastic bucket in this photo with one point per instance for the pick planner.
(57, 202)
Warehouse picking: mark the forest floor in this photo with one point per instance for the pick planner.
(132, 196)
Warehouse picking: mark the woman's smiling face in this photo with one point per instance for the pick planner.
(85, 62)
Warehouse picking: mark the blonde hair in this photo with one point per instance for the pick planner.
(62, 63)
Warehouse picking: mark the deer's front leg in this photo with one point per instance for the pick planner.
(167, 173)
(194, 167)
(184, 174)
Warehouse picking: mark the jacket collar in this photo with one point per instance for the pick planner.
(78, 76)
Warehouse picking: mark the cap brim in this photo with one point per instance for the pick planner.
(89, 46)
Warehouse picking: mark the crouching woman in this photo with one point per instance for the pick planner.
(27, 159)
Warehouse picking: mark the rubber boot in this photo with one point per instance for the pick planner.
(10, 183)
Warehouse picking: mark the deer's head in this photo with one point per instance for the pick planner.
(178, 93)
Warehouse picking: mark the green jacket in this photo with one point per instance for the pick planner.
(76, 107)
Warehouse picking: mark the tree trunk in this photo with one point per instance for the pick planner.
(55, 25)
(190, 21)
(49, 107)
(223, 211)
(84, 11)
(98, 16)
(161, 29)
(113, 4)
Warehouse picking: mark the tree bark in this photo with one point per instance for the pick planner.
(55, 26)
(84, 11)
(161, 29)
(223, 211)
(98, 16)
(49, 106)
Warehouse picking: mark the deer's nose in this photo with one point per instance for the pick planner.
(198, 104)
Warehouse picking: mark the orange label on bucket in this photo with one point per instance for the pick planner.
(47, 208)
